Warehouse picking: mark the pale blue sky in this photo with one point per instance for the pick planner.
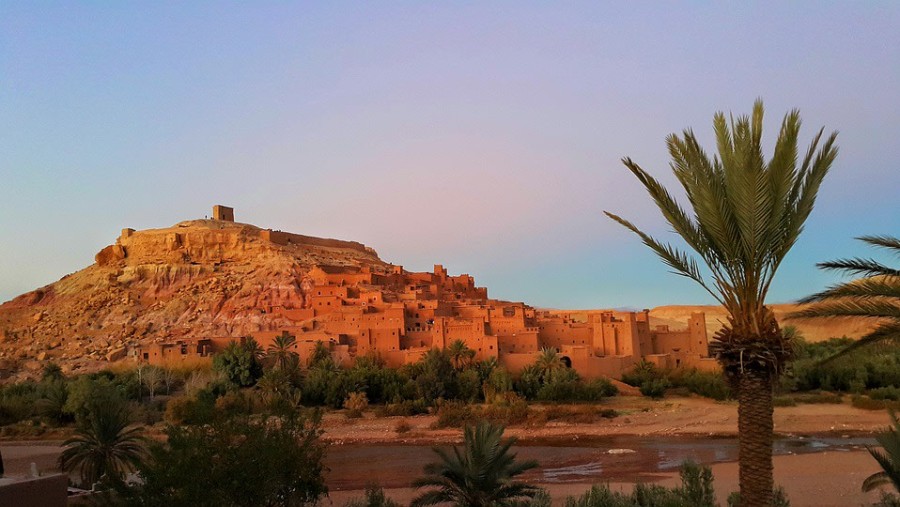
(484, 136)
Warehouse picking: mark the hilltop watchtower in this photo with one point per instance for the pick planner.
(223, 213)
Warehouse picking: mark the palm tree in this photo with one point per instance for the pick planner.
(548, 361)
(280, 350)
(252, 346)
(889, 459)
(478, 475)
(460, 354)
(104, 446)
(876, 296)
(747, 214)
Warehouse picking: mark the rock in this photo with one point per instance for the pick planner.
(116, 354)
(41, 356)
(110, 255)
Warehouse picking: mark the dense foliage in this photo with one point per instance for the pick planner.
(234, 461)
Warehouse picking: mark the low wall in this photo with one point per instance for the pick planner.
(287, 238)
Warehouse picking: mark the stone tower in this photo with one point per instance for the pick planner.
(223, 213)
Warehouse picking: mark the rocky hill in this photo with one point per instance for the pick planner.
(200, 277)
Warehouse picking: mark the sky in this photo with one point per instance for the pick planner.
(484, 136)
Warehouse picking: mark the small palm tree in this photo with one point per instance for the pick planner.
(747, 214)
(548, 361)
(889, 459)
(280, 352)
(460, 354)
(875, 296)
(104, 446)
(481, 474)
(252, 346)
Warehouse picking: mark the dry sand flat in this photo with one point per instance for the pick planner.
(641, 417)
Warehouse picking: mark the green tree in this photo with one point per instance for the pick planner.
(104, 446)
(874, 296)
(236, 461)
(281, 351)
(434, 376)
(548, 361)
(480, 474)
(888, 458)
(239, 363)
(460, 354)
(747, 214)
(52, 371)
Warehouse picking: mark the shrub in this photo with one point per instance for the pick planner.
(402, 426)
(355, 404)
(779, 498)
(866, 403)
(783, 401)
(239, 363)
(404, 408)
(452, 414)
(655, 388)
(696, 490)
(244, 462)
(885, 393)
(374, 498)
(703, 383)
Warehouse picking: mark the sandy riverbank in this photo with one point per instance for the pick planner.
(640, 417)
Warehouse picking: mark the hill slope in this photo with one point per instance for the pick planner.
(203, 277)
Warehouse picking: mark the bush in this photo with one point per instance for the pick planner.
(244, 462)
(885, 393)
(452, 414)
(779, 498)
(404, 408)
(239, 363)
(696, 490)
(374, 498)
(355, 404)
(402, 426)
(703, 383)
(655, 388)
(866, 403)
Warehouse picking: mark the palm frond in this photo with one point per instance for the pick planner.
(859, 266)
(889, 242)
(850, 307)
(866, 288)
(672, 257)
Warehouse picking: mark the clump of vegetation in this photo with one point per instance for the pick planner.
(402, 427)
(374, 497)
(240, 362)
(696, 490)
(481, 473)
(278, 461)
(355, 404)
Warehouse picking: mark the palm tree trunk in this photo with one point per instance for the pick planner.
(755, 427)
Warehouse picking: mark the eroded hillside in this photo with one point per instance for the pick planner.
(201, 277)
